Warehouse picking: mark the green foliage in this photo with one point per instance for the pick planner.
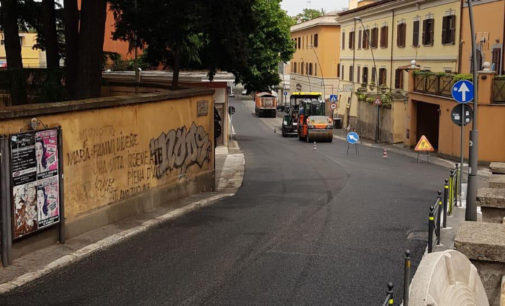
(463, 76)
(248, 38)
(308, 14)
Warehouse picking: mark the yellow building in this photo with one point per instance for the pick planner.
(315, 62)
(32, 58)
(380, 40)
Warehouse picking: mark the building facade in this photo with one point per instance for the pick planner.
(381, 40)
(315, 62)
(32, 58)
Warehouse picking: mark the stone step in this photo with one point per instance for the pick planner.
(491, 197)
(497, 168)
(497, 181)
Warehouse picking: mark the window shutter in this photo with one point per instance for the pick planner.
(397, 78)
(432, 27)
(452, 28)
(343, 70)
(343, 41)
(415, 39)
(425, 31)
(398, 35)
(338, 70)
(316, 40)
(359, 74)
(359, 40)
(445, 29)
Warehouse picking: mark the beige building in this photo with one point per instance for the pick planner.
(314, 65)
(32, 58)
(380, 40)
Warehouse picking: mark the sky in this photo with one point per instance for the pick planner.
(295, 7)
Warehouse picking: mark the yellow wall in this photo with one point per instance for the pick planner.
(109, 153)
(31, 57)
(489, 25)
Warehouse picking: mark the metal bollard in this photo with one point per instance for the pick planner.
(439, 214)
(458, 184)
(406, 279)
(446, 195)
(451, 193)
(389, 297)
(431, 225)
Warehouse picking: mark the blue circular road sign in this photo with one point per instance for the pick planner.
(333, 98)
(462, 91)
(352, 137)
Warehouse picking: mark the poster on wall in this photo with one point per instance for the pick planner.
(35, 181)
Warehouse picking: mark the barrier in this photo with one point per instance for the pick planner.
(389, 295)
(389, 300)
(434, 222)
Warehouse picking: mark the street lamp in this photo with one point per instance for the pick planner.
(377, 129)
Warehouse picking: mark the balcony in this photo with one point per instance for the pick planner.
(438, 84)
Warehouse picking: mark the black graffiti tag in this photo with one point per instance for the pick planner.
(180, 149)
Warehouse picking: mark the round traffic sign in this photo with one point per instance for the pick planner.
(352, 137)
(333, 106)
(463, 91)
(467, 114)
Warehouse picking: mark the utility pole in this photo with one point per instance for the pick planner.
(471, 207)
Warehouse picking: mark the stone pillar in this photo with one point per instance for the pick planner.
(486, 80)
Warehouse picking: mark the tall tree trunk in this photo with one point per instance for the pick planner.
(52, 87)
(71, 15)
(13, 51)
(92, 29)
(176, 68)
(49, 24)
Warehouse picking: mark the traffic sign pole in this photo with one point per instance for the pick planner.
(460, 175)
(471, 196)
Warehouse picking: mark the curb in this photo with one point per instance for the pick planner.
(107, 243)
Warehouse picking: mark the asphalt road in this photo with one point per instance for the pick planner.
(307, 227)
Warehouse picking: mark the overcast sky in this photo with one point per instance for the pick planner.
(296, 6)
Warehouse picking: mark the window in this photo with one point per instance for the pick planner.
(428, 27)
(374, 38)
(2, 42)
(351, 73)
(310, 69)
(342, 76)
(401, 35)
(307, 68)
(358, 74)
(315, 69)
(301, 68)
(299, 42)
(382, 76)
(366, 35)
(415, 38)
(365, 75)
(496, 60)
(343, 41)
(399, 78)
(351, 40)
(316, 40)
(384, 37)
(338, 70)
(448, 29)
(359, 39)
(374, 74)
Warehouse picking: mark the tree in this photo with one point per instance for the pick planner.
(248, 38)
(170, 29)
(9, 22)
(308, 14)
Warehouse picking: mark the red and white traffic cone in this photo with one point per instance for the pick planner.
(385, 153)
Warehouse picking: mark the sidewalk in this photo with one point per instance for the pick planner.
(229, 174)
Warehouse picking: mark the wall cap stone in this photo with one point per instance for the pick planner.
(497, 168)
(32, 110)
(497, 181)
(481, 241)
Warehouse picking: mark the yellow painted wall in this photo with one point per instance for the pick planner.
(489, 21)
(110, 154)
(31, 57)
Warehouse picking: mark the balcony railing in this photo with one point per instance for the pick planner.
(434, 84)
(499, 89)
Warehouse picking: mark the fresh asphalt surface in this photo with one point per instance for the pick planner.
(307, 227)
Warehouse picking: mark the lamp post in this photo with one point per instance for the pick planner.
(322, 74)
(377, 128)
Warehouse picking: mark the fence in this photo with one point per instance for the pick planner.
(428, 83)
(499, 89)
(437, 216)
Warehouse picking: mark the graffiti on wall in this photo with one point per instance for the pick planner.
(179, 149)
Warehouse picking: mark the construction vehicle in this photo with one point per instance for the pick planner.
(266, 104)
(312, 122)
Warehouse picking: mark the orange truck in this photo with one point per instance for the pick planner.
(266, 104)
